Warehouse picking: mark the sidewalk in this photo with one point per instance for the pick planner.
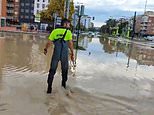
(8, 29)
(14, 30)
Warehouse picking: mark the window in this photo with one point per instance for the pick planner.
(38, 5)
(37, 11)
(43, 5)
(22, 4)
(27, 4)
(32, 11)
(26, 10)
(22, 10)
(26, 17)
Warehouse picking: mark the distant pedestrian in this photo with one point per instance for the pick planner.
(62, 39)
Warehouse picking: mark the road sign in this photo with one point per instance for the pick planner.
(37, 17)
(58, 20)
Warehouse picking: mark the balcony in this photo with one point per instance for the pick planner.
(10, 5)
(10, 17)
(144, 28)
(10, 11)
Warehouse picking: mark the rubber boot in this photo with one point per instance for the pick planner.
(49, 89)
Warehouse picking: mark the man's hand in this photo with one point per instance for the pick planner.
(45, 51)
(72, 57)
(70, 43)
(48, 44)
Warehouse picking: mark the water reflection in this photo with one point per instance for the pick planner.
(142, 54)
(101, 69)
(22, 52)
(123, 58)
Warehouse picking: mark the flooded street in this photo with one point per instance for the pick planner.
(113, 77)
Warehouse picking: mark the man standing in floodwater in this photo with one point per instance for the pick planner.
(62, 39)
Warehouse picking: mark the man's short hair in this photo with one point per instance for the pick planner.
(65, 21)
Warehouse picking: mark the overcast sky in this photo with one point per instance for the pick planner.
(103, 9)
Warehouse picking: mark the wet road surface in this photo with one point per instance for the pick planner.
(113, 77)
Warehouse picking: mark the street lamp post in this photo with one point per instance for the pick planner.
(134, 25)
(78, 32)
(54, 15)
(145, 6)
(66, 9)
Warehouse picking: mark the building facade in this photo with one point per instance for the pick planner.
(0, 8)
(10, 11)
(26, 11)
(40, 5)
(86, 21)
(16, 11)
(145, 24)
(150, 26)
(4, 7)
(3, 13)
(138, 24)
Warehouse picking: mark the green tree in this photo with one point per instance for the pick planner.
(56, 6)
(104, 29)
(111, 22)
(109, 28)
(123, 27)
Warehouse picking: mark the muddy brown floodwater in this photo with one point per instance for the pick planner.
(113, 77)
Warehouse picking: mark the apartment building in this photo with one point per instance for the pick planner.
(10, 11)
(150, 26)
(26, 11)
(145, 24)
(40, 5)
(16, 10)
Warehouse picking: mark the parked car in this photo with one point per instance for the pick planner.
(149, 38)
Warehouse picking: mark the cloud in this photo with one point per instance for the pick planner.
(116, 4)
(98, 24)
(103, 9)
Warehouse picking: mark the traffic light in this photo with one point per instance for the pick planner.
(77, 10)
(93, 18)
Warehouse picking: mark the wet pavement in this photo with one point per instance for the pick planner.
(113, 77)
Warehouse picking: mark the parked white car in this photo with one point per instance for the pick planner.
(149, 38)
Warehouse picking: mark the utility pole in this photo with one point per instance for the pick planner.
(134, 25)
(54, 20)
(80, 14)
(145, 6)
(78, 32)
(66, 9)
(85, 23)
